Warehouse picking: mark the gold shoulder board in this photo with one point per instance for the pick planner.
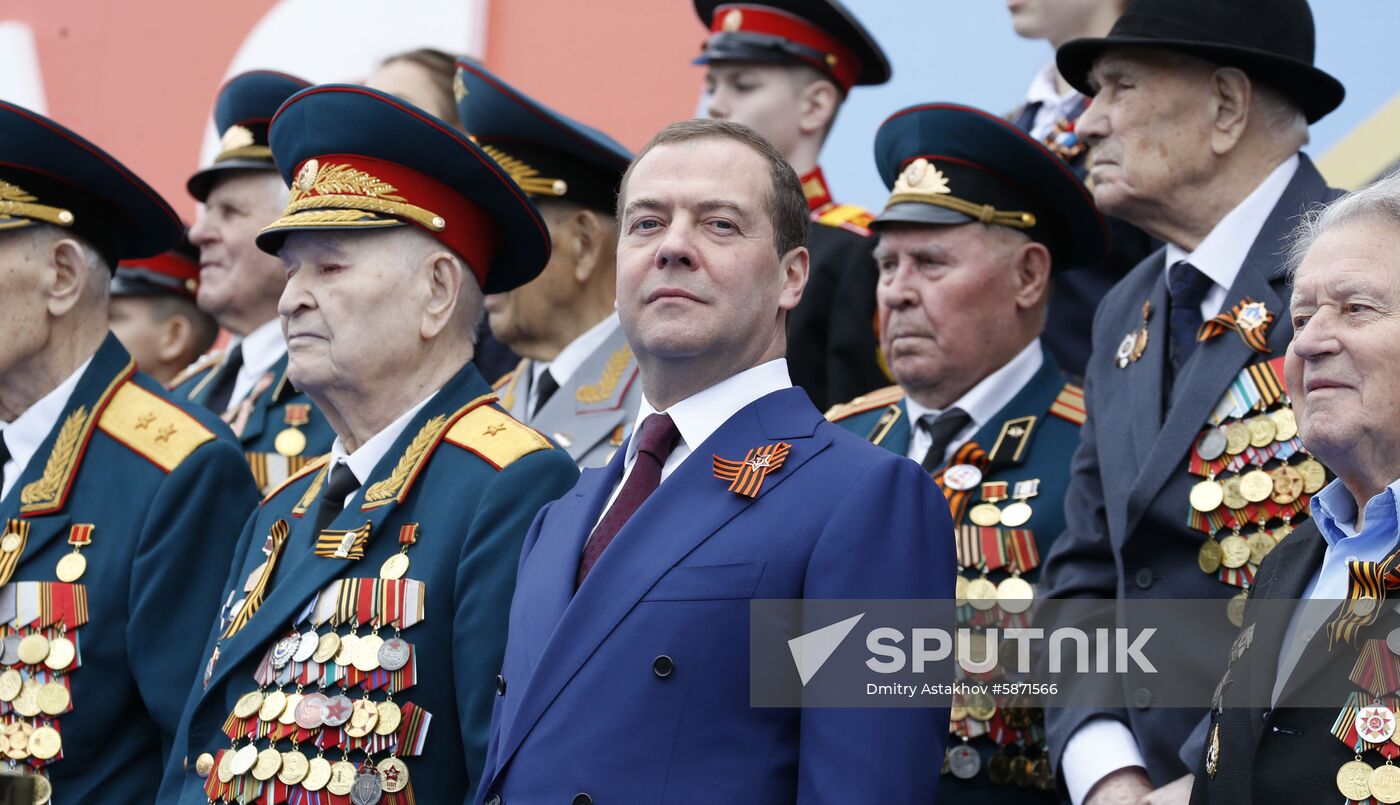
(159, 430)
(1069, 405)
(207, 361)
(848, 216)
(885, 396)
(495, 436)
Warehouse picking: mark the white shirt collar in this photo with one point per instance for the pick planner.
(571, 357)
(261, 349)
(28, 431)
(982, 401)
(363, 461)
(1053, 104)
(1222, 253)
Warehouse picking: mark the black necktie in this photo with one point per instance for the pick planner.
(221, 390)
(941, 429)
(546, 389)
(342, 483)
(1187, 287)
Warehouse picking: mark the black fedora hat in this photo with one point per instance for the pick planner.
(1272, 41)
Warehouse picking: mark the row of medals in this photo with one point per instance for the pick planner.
(1013, 593)
(21, 740)
(1356, 779)
(964, 761)
(316, 710)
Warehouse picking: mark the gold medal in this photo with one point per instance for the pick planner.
(62, 652)
(1256, 486)
(394, 567)
(959, 592)
(1234, 610)
(342, 778)
(345, 655)
(1016, 515)
(1261, 431)
(273, 706)
(981, 706)
(1285, 425)
(10, 683)
(290, 442)
(366, 657)
(1288, 485)
(294, 768)
(1385, 784)
(54, 699)
(1354, 779)
(981, 594)
(1230, 493)
(326, 647)
(318, 773)
(389, 718)
(10, 542)
(71, 567)
(1234, 551)
(45, 743)
(956, 714)
(27, 702)
(1314, 475)
(1015, 594)
(33, 649)
(43, 790)
(248, 704)
(393, 775)
(1236, 438)
(203, 765)
(985, 514)
(1207, 496)
(16, 743)
(363, 717)
(269, 762)
(225, 768)
(1260, 543)
(1210, 556)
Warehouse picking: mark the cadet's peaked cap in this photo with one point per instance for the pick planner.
(819, 33)
(244, 108)
(174, 273)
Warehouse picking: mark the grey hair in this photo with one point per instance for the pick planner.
(44, 235)
(1280, 115)
(1380, 200)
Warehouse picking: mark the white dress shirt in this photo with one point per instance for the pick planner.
(363, 461)
(1053, 104)
(981, 402)
(1102, 746)
(261, 349)
(702, 413)
(31, 428)
(570, 358)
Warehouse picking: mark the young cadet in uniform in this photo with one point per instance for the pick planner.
(120, 506)
(626, 678)
(1199, 111)
(154, 314)
(366, 609)
(978, 217)
(240, 193)
(783, 68)
(577, 383)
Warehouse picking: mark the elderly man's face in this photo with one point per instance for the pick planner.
(947, 305)
(529, 316)
(697, 270)
(1149, 126)
(23, 269)
(1343, 368)
(235, 277)
(352, 308)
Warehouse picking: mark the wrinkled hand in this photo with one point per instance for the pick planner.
(1177, 792)
(1127, 786)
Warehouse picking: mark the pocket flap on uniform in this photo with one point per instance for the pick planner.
(708, 582)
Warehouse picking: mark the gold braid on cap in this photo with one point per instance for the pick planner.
(322, 188)
(525, 174)
(924, 183)
(238, 142)
(18, 208)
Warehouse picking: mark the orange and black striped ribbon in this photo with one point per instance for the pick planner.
(350, 545)
(1377, 670)
(1255, 337)
(9, 560)
(1366, 582)
(1267, 379)
(958, 499)
(746, 477)
(278, 535)
(347, 602)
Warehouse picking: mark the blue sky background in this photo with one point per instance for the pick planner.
(965, 51)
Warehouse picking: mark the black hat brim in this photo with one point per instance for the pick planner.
(201, 184)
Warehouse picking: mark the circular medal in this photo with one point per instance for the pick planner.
(1260, 543)
(960, 591)
(27, 702)
(1285, 425)
(326, 647)
(1210, 556)
(71, 567)
(1015, 594)
(365, 790)
(1361, 607)
(1256, 486)
(273, 706)
(318, 773)
(394, 567)
(10, 683)
(964, 762)
(268, 763)
(1354, 780)
(345, 655)
(1375, 723)
(981, 594)
(1236, 438)
(962, 477)
(204, 765)
(9, 655)
(985, 514)
(10, 542)
(366, 657)
(244, 758)
(1385, 784)
(1016, 515)
(999, 769)
(1234, 552)
(248, 704)
(62, 652)
(284, 649)
(43, 789)
(294, 768)
(1211, 445)
(1261, 431)
(54, 698)
(17, 740)
(289, 713)
(306, 646)
(33, 649)
(290, 442)
(1392, 641)
(1230, 493)
(393, 775)
(1314, 475)
(337, 710)
(1288, 485)
(1207, 496)
(981, 706)
(225, 767)
(342, 778)
(363, 716)
(1124, 353)
(956, 713)
(394, 654)
(1234, 609)
(308, 714)
(389, 718)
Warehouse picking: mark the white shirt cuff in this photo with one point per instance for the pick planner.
(1098, 748)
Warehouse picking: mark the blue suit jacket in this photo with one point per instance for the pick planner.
(583, 708)
(166, 491)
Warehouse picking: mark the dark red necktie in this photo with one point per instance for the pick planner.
(655, 442)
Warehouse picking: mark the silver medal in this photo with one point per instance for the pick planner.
(964, 762)
(306, 646)
(394, 654)
(10, 653)
(337, 711)
(283, 650)
(366, 790)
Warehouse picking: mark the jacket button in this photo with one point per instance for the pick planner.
(583, 799)
(500, 685)
(494, 800)
(1143, 577)
(1142, 698)
(1265, 715)
(663, 666)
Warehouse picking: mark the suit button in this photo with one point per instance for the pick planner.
(583, 799)
(1143, 577)
(500, 685)
(1264, 716)
(494, 800)
(663, 666)
(1142, 698)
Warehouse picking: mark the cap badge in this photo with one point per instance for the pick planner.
(236, 137)
(921, 176)
(733, 21)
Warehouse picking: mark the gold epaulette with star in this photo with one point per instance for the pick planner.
(1069, 405)
(847, 216)
(312, 466)
(495, 436)
(205, 362)
(866, 402)
(161, 431)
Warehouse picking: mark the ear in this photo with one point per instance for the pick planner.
(445, 275)
(795, 264)
(70, 276)
(176, 333)
(1031, 265)
(817, 107)
(590, 240)
(1231, 91)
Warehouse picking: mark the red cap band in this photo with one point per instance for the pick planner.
(839, 61)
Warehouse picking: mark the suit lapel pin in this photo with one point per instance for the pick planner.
(1250, 319)
(746, 477)
(1134, 344)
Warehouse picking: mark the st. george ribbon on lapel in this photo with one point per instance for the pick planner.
(747, 476)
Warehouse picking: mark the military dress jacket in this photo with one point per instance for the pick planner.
(454, 496)
(151, 495)
(279, 427)
(588, 415)
(1128, 529)
(635, 688)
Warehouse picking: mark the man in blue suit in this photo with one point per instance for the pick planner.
(366, 610)
(981, 401)
(626, 676)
